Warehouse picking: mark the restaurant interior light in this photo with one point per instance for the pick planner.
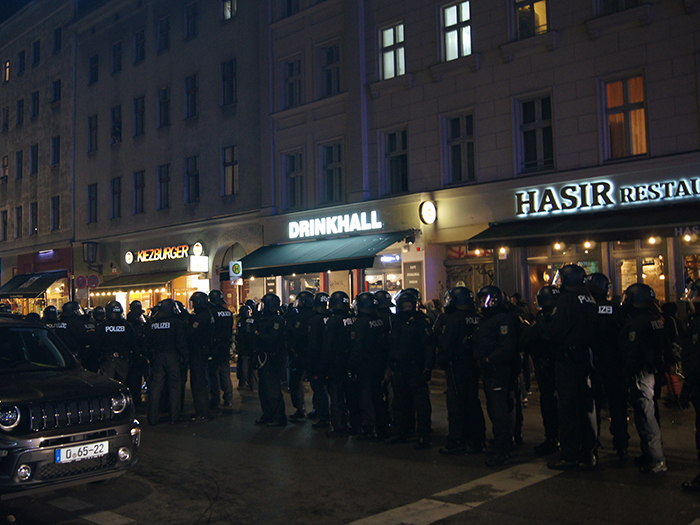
(687, 238)
(477, 252)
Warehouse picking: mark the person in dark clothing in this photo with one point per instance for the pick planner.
(675, 331)
(297, 352)
(543, 358)
(268, 329)
(165, 344)
(246, 373)
(138, 364)
(690, 393)
(495, 351)
(570, 329)
(644, 341)
(455, 329)
(50, 317)
(316, 330)
(384, 305)
(200, 332)
(411, 359)
(219, 367)
(114, 341)
(368, 361)
(71, 330)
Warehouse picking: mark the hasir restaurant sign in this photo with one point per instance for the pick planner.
(600, 194)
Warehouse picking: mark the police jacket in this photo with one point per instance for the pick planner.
(412, 347)
(691, 357)
(244, 336)
(572, 325)
(73, 334)
(368, 344)
(269, 334)
(496, 339)
(336, 345)
(533, 343)
(165, 333)
(114, 339)
(223, 329)
(297, 333)
(200, 332)
(138, 323)
(644, 342)
(605, 344)
(454, 331)
(315, 334)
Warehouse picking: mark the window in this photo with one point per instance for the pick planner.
(55, 150)
(56, 91)
(116, 57)
(139, 46)
(19, 117)
(228, 82)
(139, 116)
(36, 53)
(393, 52)
(139, 185)
(18, 222)
(115, 125)
(230, 170)
(531, 16)
(332, 180)
(457, 31)
(536, 135)
(92, 133)
(289, 7)
(294, 177)
(34, 159)
(396, 151)
(55, 212)
(164, 187)
(34, 105)
(191, 180)
(92, 203)
(5, 174)
(190, 21)
(21, 62)
(229, 8)
(33, 218)
(3, 225)
(19, 164)
(191, 87)
(93, 69)
(5, 117)
(163, 107)
(330, 71)
(625, 113)
(608, 7)
(292, 83)
(163, 36)
(57, 40)
(116, 189)
(6, 72)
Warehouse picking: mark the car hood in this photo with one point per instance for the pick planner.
(53, 385)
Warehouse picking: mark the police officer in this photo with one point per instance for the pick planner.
(115, 340)
(165, 343)
(495, 351)
(690, 393)
(455, 329)
(245, 371)
(297, 352)
(138, 364)
(367, 361)
(316, 330)
(411, 358)
(269, 353)
(543, 358)
(50, 317)
(644, 341)
(200, 333)
(571, 328)
(219, 364)
(71, 329)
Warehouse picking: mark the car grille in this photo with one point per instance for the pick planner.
(71, 413)
(58, 470)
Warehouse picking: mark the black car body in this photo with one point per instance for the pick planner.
(60, 425)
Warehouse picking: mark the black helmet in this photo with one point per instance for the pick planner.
(199, 300)
(251, 304)
(181, 308)
(114, 310)
(459, 297)
(570, 275)
(305, 299)
(321, 301)
(217, 297)
(366, 303)
(270, 303)
(547, 296)
(168, 308)
(244, 311)
(415, 292)
(136, 307)
(339, 301)
(384, 301)
(99, 314)
(490, 297)
(406, 301)
(71, 309)
(639, 296)
(599, 285)
(50, 314)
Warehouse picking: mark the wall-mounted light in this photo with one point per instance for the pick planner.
(427, 212)
(558, 246)
(410, 239)
(90, 256)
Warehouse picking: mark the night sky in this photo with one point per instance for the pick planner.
(10, 7)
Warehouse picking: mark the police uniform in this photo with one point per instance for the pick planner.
(114, 341)
(138, 365)
(246, 372)
(316, 329)
(690, 392)
(297, 357)
(200, 332)
(219, 365)
(269, 351)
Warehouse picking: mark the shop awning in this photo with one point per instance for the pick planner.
(347, 253)
(139, 280)
(635, 223)
(30, 285)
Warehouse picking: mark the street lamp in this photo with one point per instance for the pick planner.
(90, 256)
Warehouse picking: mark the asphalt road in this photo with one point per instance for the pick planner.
(227, 470)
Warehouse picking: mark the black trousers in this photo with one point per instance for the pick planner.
(219, 371)
(138, 373)
(270, 390)
(610, 385)
(549, 403)
(198, 383)
(295, 381)
(577, 424)
(321, 401)
(499, 405)
(411, 403)
(373, 409)
(464, 414)
(165, 369)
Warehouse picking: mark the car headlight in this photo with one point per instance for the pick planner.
(9, 417)
(119, 402)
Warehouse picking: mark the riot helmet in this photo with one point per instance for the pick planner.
(199, 300)
(251, 304)
(459, 297)
(216, 297)
(406, 302)
(136, 307)
(270, 303)
(490, 297)
(244, 311)
(99, 314)
(414, 291)
(114, 310)
(50, 314)
(181, 308)
(384, 301)
(366, 303)
(639, 295)
(339, 301)
(547, 296)
(570, 275)
(304, 300)
(321, 302)
(599, 285)
(168, 308)
(71, 309)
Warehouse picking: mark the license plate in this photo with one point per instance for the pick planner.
(93, 450)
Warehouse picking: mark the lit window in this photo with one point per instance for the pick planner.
(457, 31)
(230, 170)
(626, 118)
(229, 8)
(393, 52)
(531, 17)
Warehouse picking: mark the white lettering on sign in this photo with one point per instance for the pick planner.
(115, 328)
(161, 254)
(348, 223)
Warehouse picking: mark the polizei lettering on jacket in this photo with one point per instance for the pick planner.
(224, 313)
(354, 222)
(160, 326)
(161, 254)
(110, 328)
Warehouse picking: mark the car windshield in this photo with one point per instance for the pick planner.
(31, 350)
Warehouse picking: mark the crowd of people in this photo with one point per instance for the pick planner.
(369, 363)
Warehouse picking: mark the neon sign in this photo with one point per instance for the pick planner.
(334, 225)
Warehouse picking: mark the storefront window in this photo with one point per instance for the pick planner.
(293, 284)
(647, 270)
(389, 280)
(691, 267)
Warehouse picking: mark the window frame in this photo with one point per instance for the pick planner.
(191, 96)
(163, 34)
(139, 116)
(533, 30)
(458, 27)
(21, 62)
(115, 124)
(34, 159)
(4, 225)
(36, 53)
(93, 69)
(57, 40)
(55, 151)
(390, 187)
(626, 109)
(230, 171)
(330, 71)
(33, 218)
(139, 46)
(116, 58)
(92, 133)
(191, 21)
(292, 81)
(34, 105)
(331, 169)
(19, 164)
(539, 126)
(139, 187)
(297, 176)
(164, 99)
(229, 79)
(397, 51)
(192, 194)
(18, 222)
(115, 187)
(19, 113)
(163, 173)
(92, 203)
(55, 213)
(56, 91)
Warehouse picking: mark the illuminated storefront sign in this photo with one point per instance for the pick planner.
(164, 253)
(348, 223)
(600, 194)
